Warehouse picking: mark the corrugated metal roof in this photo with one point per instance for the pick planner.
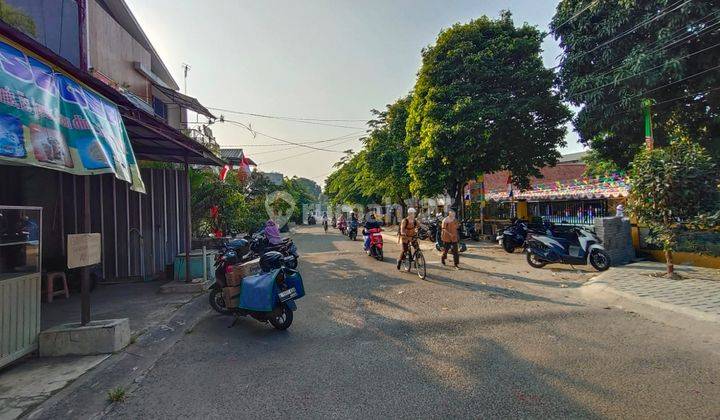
(572, 157)
(231, 153)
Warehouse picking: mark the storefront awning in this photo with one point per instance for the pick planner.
(152, 139)
(183, 100)
(614, 186)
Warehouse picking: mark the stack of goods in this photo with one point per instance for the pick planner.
(231, 293)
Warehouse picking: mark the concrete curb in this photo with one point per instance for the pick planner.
(86, 397)
(599, 285)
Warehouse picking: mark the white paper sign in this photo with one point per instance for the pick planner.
(83, 249)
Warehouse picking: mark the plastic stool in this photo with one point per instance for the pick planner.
(50, 285)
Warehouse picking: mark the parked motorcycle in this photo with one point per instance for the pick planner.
(468, 231)
(578, 246)
(259, 245)
(352, 229)
(375, 249)
(268, 296)
(513, 236)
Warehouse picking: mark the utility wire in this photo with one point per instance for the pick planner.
(664, 86)
(313, 121)
(573, 17)
(684, 32)
(660, 14)
(278, 138)
(337, 141)
(643, 72)
(354, 135)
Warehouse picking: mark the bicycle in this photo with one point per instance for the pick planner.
(415, 257)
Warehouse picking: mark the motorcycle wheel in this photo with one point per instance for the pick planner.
(534, 261)
(507, 246)
(217, 302)
(282, 320)
(438, 246)
(599, 259)
(379, 254)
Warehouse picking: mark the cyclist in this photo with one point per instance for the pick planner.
(407, 233)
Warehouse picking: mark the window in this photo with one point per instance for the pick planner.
(53, 23)
(160, 108)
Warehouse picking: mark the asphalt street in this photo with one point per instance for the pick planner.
(495, 339)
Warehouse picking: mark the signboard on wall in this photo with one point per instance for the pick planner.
(83, 249)
(49, 119)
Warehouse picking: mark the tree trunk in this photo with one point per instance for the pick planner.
(669, 262)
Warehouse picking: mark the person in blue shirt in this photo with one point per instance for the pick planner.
(371, 223)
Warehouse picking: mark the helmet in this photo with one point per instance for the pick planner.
(270, 261)
(412, 210)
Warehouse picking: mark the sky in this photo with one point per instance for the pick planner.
(319, 59)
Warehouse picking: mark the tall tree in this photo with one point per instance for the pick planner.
(617, 53)
(483, 102)
(386, 153)
(345, 185)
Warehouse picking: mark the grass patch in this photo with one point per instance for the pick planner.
(117, 395)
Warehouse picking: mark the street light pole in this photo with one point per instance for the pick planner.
(646, 105)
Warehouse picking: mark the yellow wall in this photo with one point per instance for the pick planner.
(680, 258)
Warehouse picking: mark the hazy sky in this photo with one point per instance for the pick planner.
(324, 59)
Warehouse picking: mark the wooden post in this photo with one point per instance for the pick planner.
(188, 226)
(85, 274)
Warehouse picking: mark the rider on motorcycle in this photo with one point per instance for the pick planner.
(370, 224)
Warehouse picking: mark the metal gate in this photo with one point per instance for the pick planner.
(19, 281)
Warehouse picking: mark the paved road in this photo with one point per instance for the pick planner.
(495, 339)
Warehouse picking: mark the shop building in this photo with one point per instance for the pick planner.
(108, 152)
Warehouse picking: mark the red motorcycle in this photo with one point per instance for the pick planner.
(375, 248)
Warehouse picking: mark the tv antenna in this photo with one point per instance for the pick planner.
(186, 68)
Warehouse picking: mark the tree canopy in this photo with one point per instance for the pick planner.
(386, 154)
(617, 53)
(483, 102)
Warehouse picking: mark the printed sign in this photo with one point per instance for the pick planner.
(83, 249)
(49, 119)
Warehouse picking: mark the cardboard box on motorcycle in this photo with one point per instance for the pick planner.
(239, 271)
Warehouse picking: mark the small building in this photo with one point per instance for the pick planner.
(563, 195)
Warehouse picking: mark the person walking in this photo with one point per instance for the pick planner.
(450, 238)
(408, 230)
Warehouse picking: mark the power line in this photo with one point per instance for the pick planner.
(355, 134)
(573, 17)
(663, 86)
(660, 14)
(314, 121)
(278, 138)
(672, 40)
(643, 72)
(337, 141)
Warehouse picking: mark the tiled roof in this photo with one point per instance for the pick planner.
(231, 153)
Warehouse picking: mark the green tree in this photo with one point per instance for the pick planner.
(345, 184)
(386, 154)
(483, 102)
(671, 188)
(617, 53)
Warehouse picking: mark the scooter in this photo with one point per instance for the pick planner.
(513, 236)
(268, 296)
(468, 231)
(375, 249)
(579, 246)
